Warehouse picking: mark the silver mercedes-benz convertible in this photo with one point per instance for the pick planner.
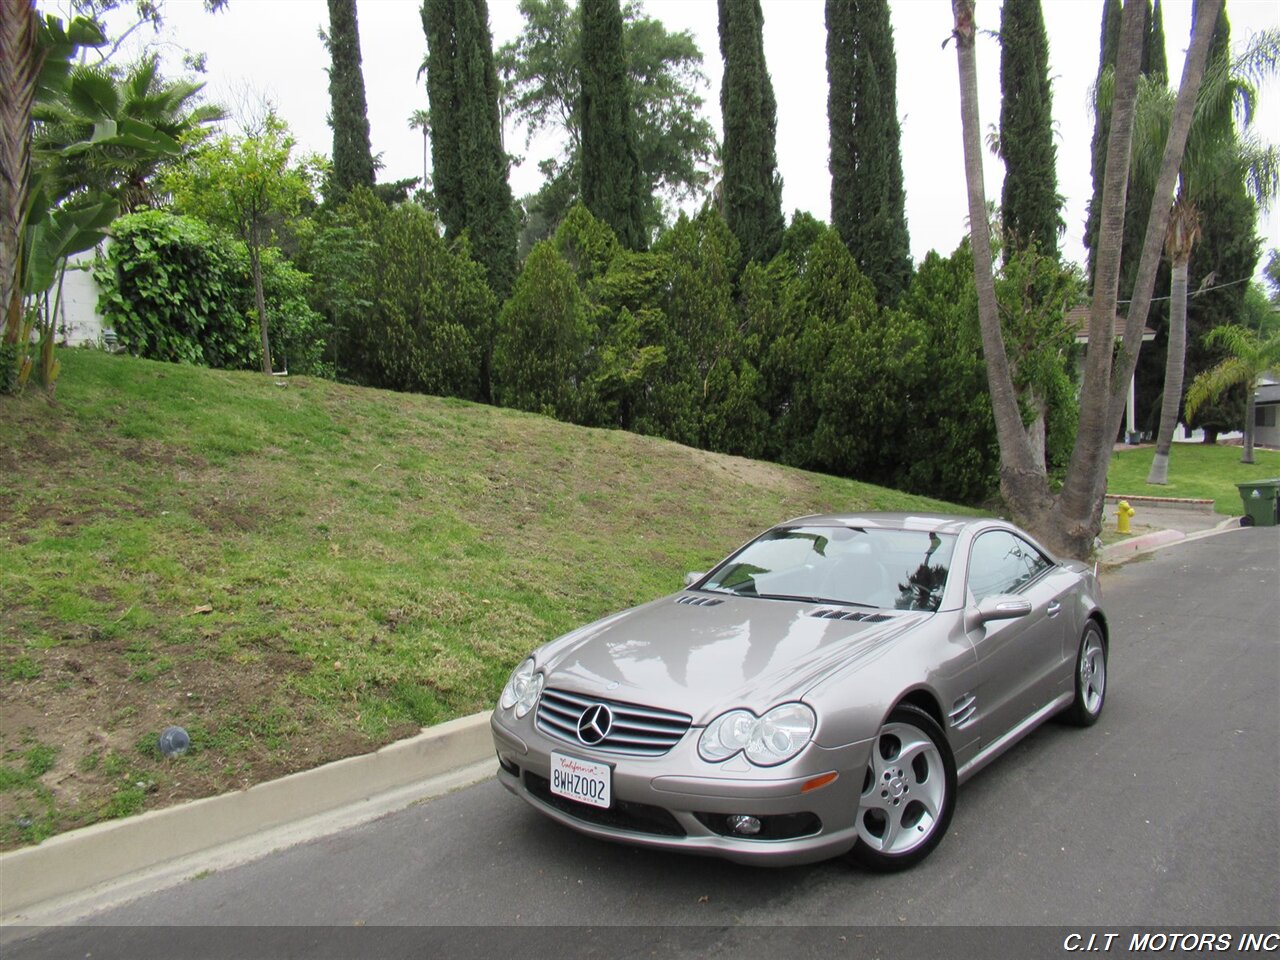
(822, 691)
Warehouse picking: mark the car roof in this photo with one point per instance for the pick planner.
(935, 522)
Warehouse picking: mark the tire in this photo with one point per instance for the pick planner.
(908, 792)
(1090, 678)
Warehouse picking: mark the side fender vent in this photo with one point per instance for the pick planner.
(963, 711)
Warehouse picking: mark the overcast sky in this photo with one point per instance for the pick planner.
(271, 48)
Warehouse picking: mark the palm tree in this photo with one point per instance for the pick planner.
(1217, 159)
(144, 108)
(421, 120)
(1248, 357)
(1069, 520)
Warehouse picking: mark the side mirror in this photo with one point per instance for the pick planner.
(1001, 606)
(693, 577)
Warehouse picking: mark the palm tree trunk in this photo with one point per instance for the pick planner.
(1174, 366)
(1250, 414)
(1023, 481)
(19, 69)
(1086, 480)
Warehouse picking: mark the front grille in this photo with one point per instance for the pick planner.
(636, 731)
(830, 614)
(623, 815)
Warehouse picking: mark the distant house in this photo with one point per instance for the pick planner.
(1266, 416)
(1078, 319)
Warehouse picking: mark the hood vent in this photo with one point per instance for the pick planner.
(828, 613)
(699, 601)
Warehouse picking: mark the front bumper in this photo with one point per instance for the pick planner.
(680, 802)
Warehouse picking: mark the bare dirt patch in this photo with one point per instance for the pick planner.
(94, 708)
(754, 472)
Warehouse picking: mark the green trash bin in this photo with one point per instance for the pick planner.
(1261, 502)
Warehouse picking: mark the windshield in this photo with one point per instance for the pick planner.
(893, 569)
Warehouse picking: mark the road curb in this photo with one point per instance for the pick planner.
(1117, 553)
(75, 862)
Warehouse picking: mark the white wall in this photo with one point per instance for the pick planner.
(78, 320)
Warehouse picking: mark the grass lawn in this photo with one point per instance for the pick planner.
(1195, 471)
(296, 574)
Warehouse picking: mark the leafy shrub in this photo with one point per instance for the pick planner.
(948, 448)
(169, 290)
(175, 289)
(297, 331)
(541, 339)
(407, 310)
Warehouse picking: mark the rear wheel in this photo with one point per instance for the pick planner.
(908, 792)
(1091, 678)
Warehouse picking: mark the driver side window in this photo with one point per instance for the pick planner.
(1001, 563)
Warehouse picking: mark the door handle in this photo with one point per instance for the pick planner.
(1054, 608)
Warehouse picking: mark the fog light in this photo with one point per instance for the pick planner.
(743, 825)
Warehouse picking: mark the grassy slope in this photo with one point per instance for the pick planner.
(1195, 470)
(300, 573)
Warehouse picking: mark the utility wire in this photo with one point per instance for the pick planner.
(1196, 293)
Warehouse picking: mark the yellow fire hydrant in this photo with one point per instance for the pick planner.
(1123, 513)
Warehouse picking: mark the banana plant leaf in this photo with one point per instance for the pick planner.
(60, 234)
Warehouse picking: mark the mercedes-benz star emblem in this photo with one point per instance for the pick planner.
(594, 724)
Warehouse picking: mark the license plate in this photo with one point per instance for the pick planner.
(581, 780)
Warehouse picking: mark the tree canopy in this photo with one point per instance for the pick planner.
(674, 143)
(242, 184)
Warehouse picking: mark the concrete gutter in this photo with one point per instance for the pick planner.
(1117, 553)
(85, 869)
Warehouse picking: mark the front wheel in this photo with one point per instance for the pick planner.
(908, 792)
(1091, 678)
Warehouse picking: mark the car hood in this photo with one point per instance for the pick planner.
(702, 660)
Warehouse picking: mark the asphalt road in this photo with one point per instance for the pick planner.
(1165, 814)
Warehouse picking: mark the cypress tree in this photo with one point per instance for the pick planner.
(1155, 60)
(468, 162)
(751, 187)
(348, 110)
(867, 196)
(613, 187)
(1029, 201)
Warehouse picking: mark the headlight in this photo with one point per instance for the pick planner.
(523, 689)
(769, 740)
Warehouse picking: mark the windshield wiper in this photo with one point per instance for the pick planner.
(840, 603)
